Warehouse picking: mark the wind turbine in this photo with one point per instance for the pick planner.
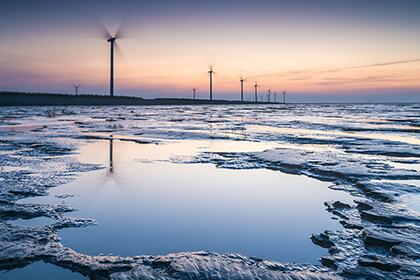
(76, 88)
(284, 97)
(211, 82)
(269, 95)
(194, 91)
(256, 91)
(112, 40)
(242, 88)
(275, 97)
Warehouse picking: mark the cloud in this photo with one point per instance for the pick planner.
(381, 64)
(368, 79)
(307, 73)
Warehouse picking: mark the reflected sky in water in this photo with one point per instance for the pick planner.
(146, 204)
(35, 270)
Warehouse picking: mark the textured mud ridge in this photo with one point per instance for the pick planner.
(21, 246)
(380, 237)
(380, 234)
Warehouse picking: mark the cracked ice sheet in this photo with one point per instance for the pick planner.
(399, 120)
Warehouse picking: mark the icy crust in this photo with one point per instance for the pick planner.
(204, 265)
(21, 246)
(333, 166)
(380, 238)
(42, 163)
(362, 145)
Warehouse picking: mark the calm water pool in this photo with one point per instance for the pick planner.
(41, 270)
(146, 204)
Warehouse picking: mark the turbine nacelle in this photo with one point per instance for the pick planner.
(112, 39)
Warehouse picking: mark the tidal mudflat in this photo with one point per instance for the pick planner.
(210, 192)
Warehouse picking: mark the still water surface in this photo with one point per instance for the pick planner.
(146, 204)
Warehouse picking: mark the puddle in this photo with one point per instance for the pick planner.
(35, 270)
(34, 222)
(158, 207)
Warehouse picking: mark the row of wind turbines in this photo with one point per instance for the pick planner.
(242, 80)
(112, 40)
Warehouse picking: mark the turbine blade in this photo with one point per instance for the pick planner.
(120, 32)
(102, 30)
(122, 59)
(119, 51)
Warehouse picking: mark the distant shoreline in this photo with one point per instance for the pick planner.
(51, 99)
(61, 99)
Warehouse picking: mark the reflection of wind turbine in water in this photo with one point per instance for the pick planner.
(110, 174)
(111, 154)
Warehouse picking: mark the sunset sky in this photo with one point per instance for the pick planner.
(330, 50)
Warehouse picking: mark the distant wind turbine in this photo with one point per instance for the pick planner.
(284, 97)
(242, 88)
(269, 95)
(256, 91)
(194, 91)
(211, 81)
(76, 88)
(275, 97)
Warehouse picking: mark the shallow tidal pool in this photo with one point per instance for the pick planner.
(144, 203)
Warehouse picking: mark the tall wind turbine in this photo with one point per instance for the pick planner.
(112, 40)
(242, 89)
(284, 97)
(256, 91)
(211, 82)
(275, 97)
(269, 95)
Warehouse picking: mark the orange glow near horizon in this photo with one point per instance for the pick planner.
(285, 53)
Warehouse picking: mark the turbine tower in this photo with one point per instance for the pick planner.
(76, 89)
(194, 91)
(211, 82)
(112, 40)
(111, 76)
(269, 95)
(256, 91)
(242, 89)
(284, 97)
(275, 97)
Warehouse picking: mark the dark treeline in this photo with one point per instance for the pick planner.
(51, 99)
